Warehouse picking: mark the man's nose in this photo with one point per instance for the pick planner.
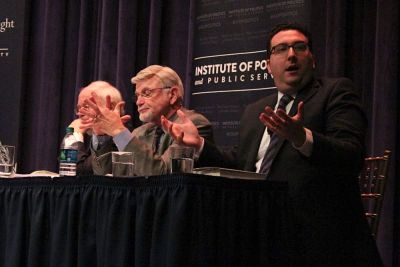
(291, 54)
(291, 51)
(139, 101)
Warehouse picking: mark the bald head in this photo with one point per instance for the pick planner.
(102, 89)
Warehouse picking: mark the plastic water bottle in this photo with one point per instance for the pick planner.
(68, 154)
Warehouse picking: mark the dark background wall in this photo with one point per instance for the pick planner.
(60, 46)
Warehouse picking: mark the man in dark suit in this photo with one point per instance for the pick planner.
(84, 136)
(310, 134)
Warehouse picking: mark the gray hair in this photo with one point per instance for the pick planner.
(167, 76)
(103, 89)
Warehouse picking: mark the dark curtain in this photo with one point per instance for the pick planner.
(71, 43)
(360, 40)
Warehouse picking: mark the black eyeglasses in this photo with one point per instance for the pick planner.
(282, 49)
(148, 92)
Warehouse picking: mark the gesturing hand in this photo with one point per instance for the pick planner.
(290, 128)
(102, 117)
(184, 132)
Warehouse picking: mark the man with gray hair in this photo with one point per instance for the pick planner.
(159, 92)
(84, 135)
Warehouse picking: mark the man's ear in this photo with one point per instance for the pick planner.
(174, 95)
(268, 66)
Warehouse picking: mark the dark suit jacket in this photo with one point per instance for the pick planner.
(329, 226)
(148, 161)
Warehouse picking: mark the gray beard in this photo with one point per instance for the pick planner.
(147, 117)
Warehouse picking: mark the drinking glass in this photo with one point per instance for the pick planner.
(123, 164)
(7, 155)
(182, 159)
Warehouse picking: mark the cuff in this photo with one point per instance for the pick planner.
(122, 139)
(307, 147)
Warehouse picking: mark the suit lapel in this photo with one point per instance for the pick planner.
(166, 139)
(149, 135)
(303, 95)
(165, 142)
(259, 130)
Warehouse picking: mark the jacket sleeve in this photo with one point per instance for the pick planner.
(149, 163)
(340, 147)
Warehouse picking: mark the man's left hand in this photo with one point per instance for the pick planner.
(290, 128)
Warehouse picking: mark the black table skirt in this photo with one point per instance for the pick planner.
(171, 220)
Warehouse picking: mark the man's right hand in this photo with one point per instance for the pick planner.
(102, 118)
(185, 132)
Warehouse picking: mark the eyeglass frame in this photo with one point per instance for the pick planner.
(150, 93)
(288, 46)
(78, 107)
(86, 106)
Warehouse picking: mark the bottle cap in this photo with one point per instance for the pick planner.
(69, 130)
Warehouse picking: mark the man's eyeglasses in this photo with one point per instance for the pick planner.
(282, 49)
(78, 107)
(148, 92)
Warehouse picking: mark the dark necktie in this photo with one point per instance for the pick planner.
(157, 137)
(273, 143)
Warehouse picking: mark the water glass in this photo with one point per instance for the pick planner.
(7, 157)
(123, 164)
(182, 159)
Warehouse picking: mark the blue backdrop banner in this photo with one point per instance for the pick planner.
(229, 57)
(12, 23)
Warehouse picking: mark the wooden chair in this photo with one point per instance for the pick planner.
(372, 185)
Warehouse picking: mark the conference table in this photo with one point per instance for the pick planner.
(167, 220)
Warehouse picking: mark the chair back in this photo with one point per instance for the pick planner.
(372, 185)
